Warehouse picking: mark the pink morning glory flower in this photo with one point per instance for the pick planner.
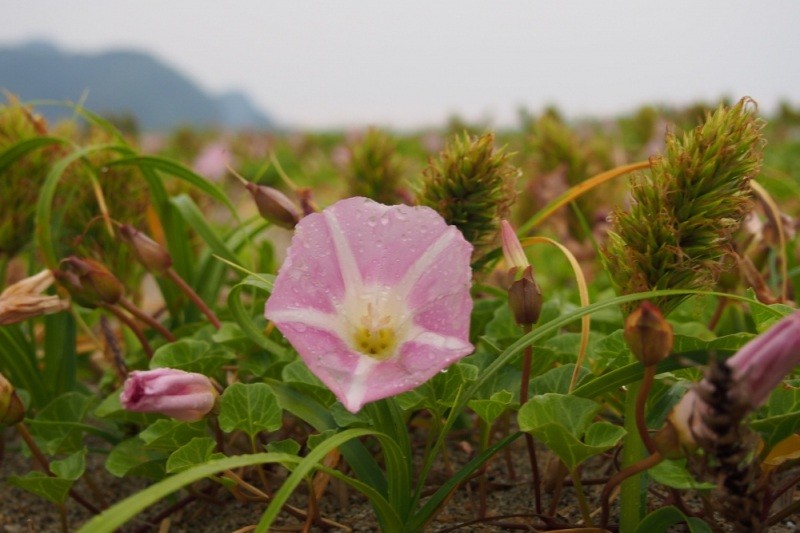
(186, 396)
(374, 298)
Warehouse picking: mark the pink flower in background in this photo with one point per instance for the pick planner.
(182, 395)
(213, 161)
(374, 298)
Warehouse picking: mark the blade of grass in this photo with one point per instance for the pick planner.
(181, 172)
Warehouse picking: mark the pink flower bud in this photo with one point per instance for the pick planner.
(513, 252)
(762, 364)
(274, 206)
(185, 396)
(524, 294)
(88, 281)
(150, 254)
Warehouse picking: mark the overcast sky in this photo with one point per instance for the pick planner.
(331, 63)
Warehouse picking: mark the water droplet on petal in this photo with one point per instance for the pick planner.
(372, 221)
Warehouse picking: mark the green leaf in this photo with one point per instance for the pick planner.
(482, 313)
(71, 467)
(572, 412)
(782, 416)
(610, 353)
(250, 408)
(197, 451)
(243, 317)
(449, 382)
(287, 446)
(192, 356)
(58, 425)
(489, 410)
(673, 473)
(133, 458)
(231, 335)
(168, 435)
(18, 363)
(666, 517)
(766, 316)
(561, 421)
(59, 353)
(603, 435)
(320, 418)
(318, 438)
(197, 220)
(53, 489)
(556, 380)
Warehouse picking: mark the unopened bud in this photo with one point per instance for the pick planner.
(525, 298)
(11, 409)
(186, 396)
(89, 282)
(648, 334)
(150, 254)
(524, 294)
(274, 206)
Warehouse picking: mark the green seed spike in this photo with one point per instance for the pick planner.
(20, 182)
(472, 186)
(684, 213)
(375, 170)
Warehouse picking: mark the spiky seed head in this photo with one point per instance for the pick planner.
(472, 185)
(684, 213)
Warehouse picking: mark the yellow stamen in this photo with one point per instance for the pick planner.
(376, 343)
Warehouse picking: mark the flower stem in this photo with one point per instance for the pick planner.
(582, 503)
(147, 319)
(486, 431)
(193, 296)
(633, 493)
(641, 401)
(116, 311)
(523, 397)
(626, 474)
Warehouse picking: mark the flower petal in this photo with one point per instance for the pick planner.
(310, 278)
(385, 241)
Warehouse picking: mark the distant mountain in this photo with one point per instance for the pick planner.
(120, 82)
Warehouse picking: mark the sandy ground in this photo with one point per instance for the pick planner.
(24, 512)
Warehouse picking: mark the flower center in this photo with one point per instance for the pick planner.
(375, 337)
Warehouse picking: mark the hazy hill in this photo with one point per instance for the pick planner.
(121, 82)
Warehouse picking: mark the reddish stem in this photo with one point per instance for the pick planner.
(147, 319)
(132, 325)
(523, 397)
(194, 297)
